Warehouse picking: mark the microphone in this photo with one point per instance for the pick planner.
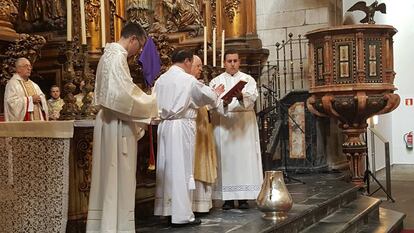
(270, 90)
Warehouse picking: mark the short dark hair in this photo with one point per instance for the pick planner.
(231, 51)
(133, 29)
(179, 55)
(54, 86)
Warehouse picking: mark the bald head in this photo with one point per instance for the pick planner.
(197, 67)
(23, 68)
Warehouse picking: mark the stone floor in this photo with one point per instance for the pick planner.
(318, 190)
(402, 191)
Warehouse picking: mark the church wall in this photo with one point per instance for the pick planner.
(395, 124)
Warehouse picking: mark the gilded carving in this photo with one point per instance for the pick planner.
(139, 11)
(230, 9)
(28, 46)
(41, 15)
(185, 16)
(92, 8)
(213, 13)
(8, 11)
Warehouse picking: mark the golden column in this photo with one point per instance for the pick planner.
(238, 18)
(118, 16)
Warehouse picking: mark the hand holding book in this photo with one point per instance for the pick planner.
(235, 91)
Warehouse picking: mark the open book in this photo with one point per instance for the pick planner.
(232, 92)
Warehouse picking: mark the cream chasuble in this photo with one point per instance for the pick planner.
(237, 139)
(113, 185)
(179, 95)
(205, 163)
(18, 103)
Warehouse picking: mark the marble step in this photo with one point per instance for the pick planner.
(349, 218)
(389, 221)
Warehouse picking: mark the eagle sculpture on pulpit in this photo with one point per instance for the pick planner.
(369, 10)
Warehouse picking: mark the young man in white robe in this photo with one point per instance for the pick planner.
(23, 99)
(179, 95)
(114, 161)
(237, 139)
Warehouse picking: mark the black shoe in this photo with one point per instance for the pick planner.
(228, 205)
(196, 222)
(243, 205)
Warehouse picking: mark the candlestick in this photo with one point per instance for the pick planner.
(83, 22)
(69, 20)
(223, 35)
(205, 46)
(214, 47)
(103, 26)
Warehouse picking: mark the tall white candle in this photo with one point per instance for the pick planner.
(83, 21)
(69, 20)
(205, 45)
(103, 26)
(223, 36)
(214, 47)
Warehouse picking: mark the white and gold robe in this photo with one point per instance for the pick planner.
(18, 102)
(205, 163)
(54, 106)
(113, 185)
(179, 95)
(236, 133)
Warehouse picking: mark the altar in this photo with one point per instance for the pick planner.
(34, 176)
(45, 177)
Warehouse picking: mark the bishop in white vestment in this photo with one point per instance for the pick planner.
(23, 99)
(179, 95)
(237, 138)
(114, 161)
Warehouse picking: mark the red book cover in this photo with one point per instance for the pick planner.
(236, 88)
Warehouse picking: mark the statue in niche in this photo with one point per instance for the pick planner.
(185, 16)
(41, 15)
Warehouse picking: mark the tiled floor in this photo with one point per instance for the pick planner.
(402, 190)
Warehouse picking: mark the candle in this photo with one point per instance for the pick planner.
(69, 20)
(214, 47)
(205, 45)
(103, 28)
(223, 35)
(83, 21)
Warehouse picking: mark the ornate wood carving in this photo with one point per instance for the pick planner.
(348, 81)
(230, 9)
(41, 15)
(28, 46)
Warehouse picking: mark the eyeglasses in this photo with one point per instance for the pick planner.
(25, 66)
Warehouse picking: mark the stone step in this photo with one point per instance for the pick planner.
(389, 221)
(349, 218)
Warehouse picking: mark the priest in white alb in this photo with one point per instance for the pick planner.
(23, 99)
(114, 161)
(237, 138)
(179, 95)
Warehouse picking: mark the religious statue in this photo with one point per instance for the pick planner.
(185, 15)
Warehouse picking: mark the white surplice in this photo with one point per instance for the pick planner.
(236, 133)
(113, 185)
(178, 95)
(18, 102)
